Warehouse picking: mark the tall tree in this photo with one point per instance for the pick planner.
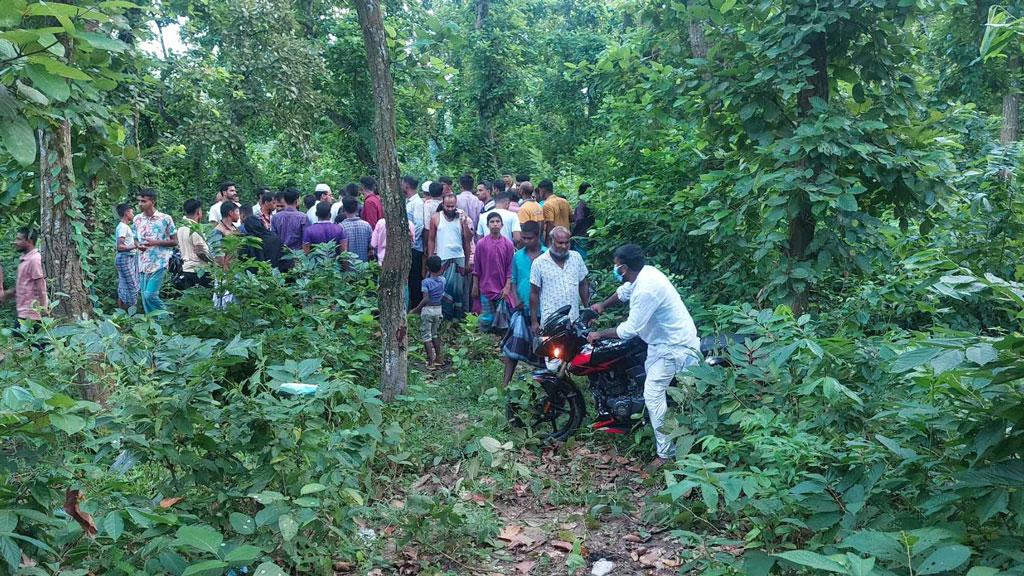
(395, 270)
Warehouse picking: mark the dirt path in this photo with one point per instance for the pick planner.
(523, 508)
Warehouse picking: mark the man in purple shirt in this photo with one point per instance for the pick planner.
(324, 231)
(492, 269)
(289, 224)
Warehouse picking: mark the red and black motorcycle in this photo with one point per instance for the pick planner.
(614, 369)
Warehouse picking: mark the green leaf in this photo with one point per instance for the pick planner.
(982, 354)
(244, 553)
(846, 202)
(242, 523)
(10, 552)
(490, 444)
(269, 569)
(113, 525)
(205, 566)
(880, 544)
(8, 521)
(812, 560)
(982, 571)
(10, 12)
(289, 527)
(55, 87)
(914, 358)
(312, 488)
(58, 68)
(895, 447)
(944, 559)
(102, 41)
(201, 537)
(32, 94)
(17, 137)
(68, 423)
(267, 497)
(726, 6)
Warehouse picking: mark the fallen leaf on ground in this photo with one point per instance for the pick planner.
(341, 566)
(670, 562)
(525, 566)
(168, 502)
(652, 557)
(397, 504)
(420, 482)
(478, 498)
(519, 490)
(633, 538)
(509, 532)
(562, 545)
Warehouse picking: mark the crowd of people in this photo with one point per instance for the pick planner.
(507, 250)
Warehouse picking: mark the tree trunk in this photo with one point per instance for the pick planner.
(56, 216)
(802, 222)
(395, 270)
(698, 43)
(1010, 130)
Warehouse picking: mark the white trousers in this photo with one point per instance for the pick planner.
(660, 371)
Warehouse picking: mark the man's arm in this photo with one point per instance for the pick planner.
(431, 236)
(584, 292)
(535, 307)
(612, 300)
(468, 248)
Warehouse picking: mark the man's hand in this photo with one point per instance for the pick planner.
(597, 308)
(475, 292)
(535, 325)
(593, 336)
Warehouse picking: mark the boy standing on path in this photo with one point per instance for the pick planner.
(157, 239)
(492, 270)
(429, 309)
(126, 258)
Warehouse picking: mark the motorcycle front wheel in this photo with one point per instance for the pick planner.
(555, 413)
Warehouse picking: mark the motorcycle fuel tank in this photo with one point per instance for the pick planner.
(609, 355)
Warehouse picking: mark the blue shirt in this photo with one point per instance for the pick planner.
(433, 286)
(521, 264)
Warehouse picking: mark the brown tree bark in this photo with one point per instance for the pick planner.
(698, 43)
(395, 269)
(57, 195)
(1009, 132)
(802, 223)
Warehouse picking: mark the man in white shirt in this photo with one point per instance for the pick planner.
(414, 213)
(509, 221)
(658, 316)
(558, 277)
(323, 194)
(227, 192)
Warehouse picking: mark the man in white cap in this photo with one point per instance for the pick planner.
(323, 194)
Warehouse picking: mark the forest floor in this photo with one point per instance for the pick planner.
(521, 507)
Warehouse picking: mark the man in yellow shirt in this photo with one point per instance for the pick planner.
(557, 211)
(529, 209)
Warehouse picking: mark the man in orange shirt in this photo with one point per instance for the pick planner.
(529, 209)
(557, 212)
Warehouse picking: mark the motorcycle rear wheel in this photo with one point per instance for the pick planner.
(561, 412)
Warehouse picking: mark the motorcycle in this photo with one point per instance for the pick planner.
(614, 368)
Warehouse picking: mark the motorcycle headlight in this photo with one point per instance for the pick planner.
(557, 353)
(552, 364)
